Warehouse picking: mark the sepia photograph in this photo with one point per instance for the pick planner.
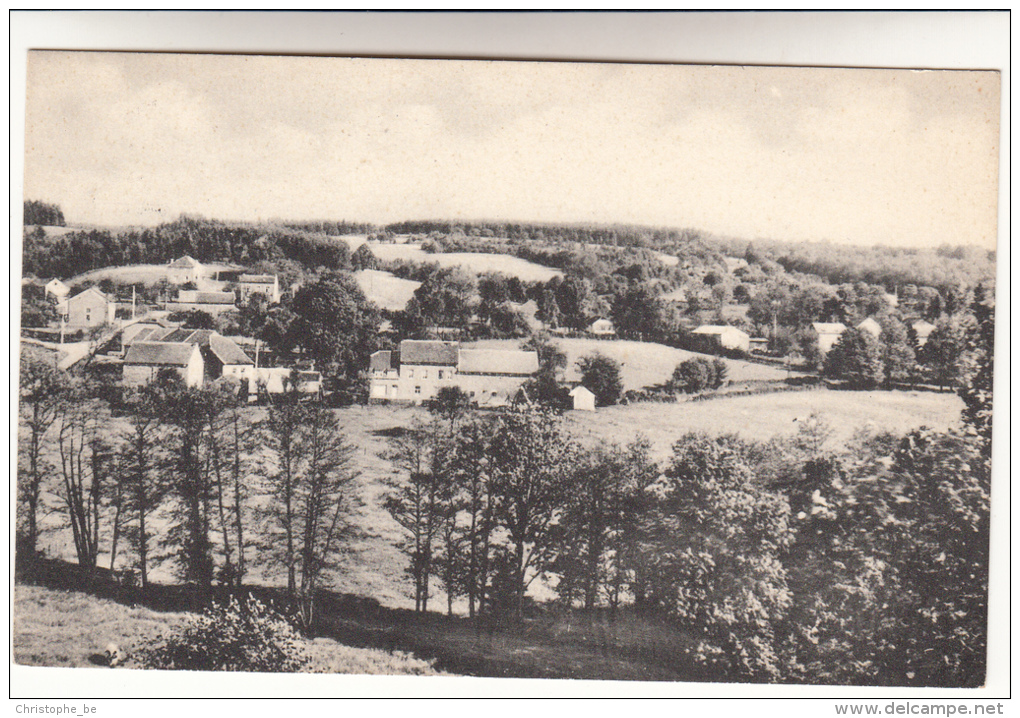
(443, 368)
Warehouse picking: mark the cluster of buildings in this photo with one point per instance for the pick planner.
(201, 355)
(828, 333)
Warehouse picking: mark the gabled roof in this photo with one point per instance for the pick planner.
(226, 351)
(160, 353)
(828, 327)
(208, 298)
(414, 351)
(496, 361)
(257, 279)
(871, 326)
(184, 262)
(580, 390)
(717, 329)
(90, 290)
(381, 360)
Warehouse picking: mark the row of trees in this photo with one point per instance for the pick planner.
(781, 561)
(186, 476)
(896, 356)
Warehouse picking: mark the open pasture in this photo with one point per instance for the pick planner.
(386, 290)
(765, 416)
(643, 363)
(141, 273)
(476, 262)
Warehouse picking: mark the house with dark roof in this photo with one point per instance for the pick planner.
(214, 303)
(221, 356)
(87, 309)
(419, 369)
(144, 361)
(265, 284)
(183, 270)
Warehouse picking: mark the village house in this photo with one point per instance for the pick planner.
(870, 326)
(602, 328)
(828, 333)
(725, 337)
(214, 303)
(144, 361)
(416, 373)
(57, 289)
(264, 284)
(88, 309)
(183, 270)
(221, 356)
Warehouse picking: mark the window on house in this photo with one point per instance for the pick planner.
(88, 315)
(417, 390)
(440, 373)
(424, 373)
(410, 373)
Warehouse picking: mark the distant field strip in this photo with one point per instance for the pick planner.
(643, 363)
(765, 416)
(386, 290)
(514, 266)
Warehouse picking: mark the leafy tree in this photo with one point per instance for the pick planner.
(197, 319)
(415, 505)
(530, 455)
(855, 358)
(363, 258)
(41, 394)
(446, 298)
(141, 461)
(325, 501)
(85, 469)
(977, 390)
(36, 311)
(601, 376)
(601, 510)
(710, 556)
(578, 304)
(899, 361)
(41, 213)
(336, 326)
(640, 314)
(943, 351)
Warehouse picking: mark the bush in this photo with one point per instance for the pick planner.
(234, 636)
(699, 374)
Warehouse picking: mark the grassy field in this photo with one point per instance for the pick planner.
(766, 416)
(65, 628)
(139, 273)
(475, 262)
(644, 364)
(386, 290)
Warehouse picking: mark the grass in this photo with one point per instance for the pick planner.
(386, 290)
(764, 417)
(644, 363)
(71, 629)
(476, 262)
(138, 273)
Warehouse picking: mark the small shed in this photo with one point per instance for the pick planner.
(602, 328)
(725, 337)
(183, 270)
(584, 400)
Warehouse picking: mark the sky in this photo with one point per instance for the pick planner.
(894, 157)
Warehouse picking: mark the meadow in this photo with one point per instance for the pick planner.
(386, 290)
(140, 273)
(643, 364)
(476, 262)
(69, 629)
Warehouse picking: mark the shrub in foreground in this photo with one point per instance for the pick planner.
(237, 635)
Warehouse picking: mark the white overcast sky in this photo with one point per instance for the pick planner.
(860, 156)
